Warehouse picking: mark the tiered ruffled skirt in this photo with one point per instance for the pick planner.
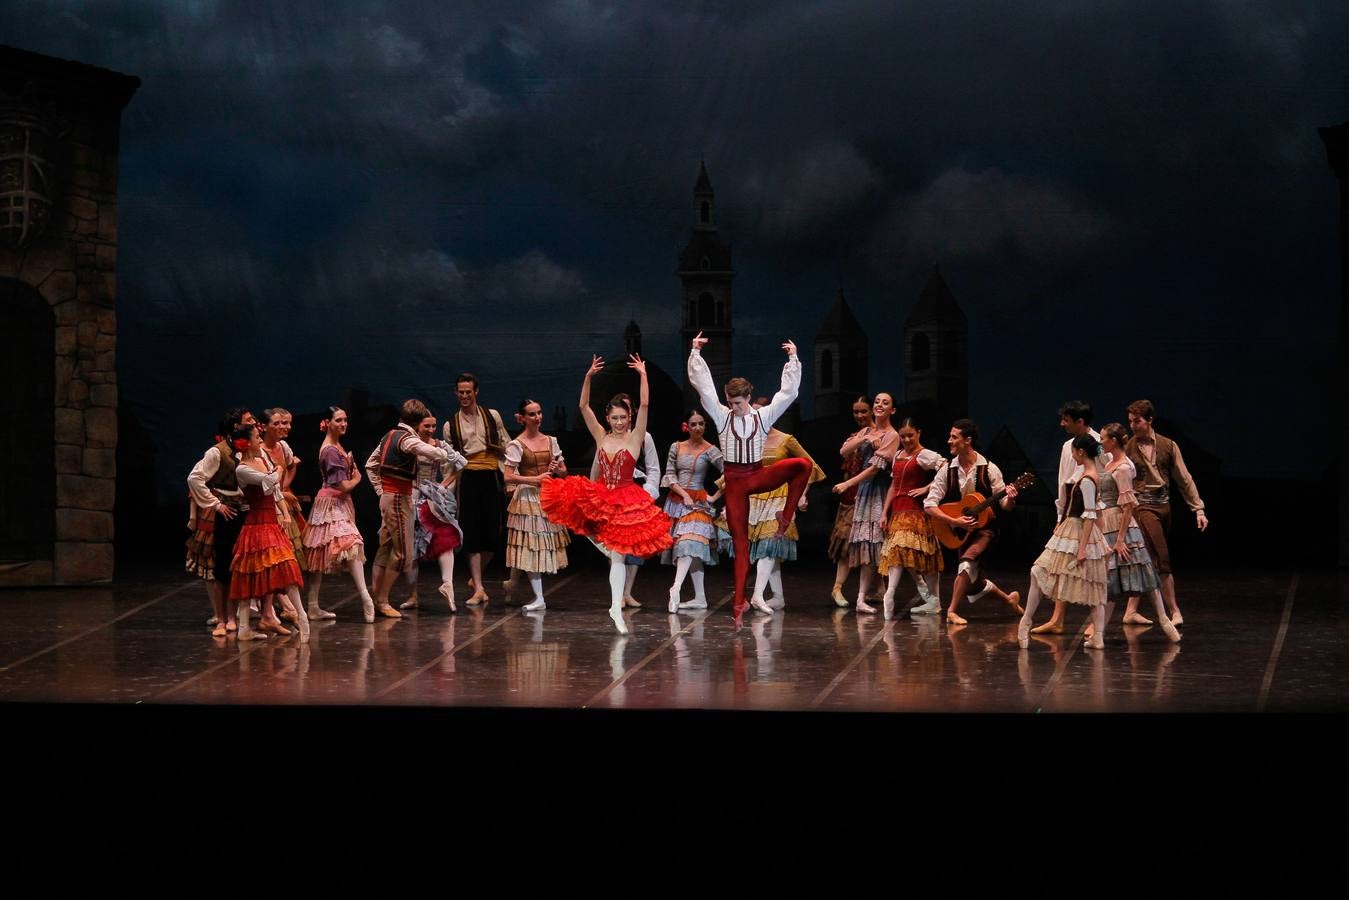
(264, 562)
(624, 520)
(435, 530)
(694, 531)
(911, 544)
(201, 543)
(1060, 575)
(764, 542)
(1136, 577)
(841, 536)
(331, 540)
(866, 534)
(294, 528)
(534, 544)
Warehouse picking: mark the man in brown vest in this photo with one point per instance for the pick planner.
(480, 435)
(1158, 462)
(215, 517)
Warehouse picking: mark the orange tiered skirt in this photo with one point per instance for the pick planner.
(624, 519)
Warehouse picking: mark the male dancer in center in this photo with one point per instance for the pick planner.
(742, 430)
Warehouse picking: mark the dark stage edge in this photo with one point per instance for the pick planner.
(1253, 641)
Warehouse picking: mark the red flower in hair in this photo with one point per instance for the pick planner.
(241, 444)
(323, 426)
(684, 427)
(219, 438)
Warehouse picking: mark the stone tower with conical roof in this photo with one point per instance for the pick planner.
(936, 343)
(840, 360)
(705, 271)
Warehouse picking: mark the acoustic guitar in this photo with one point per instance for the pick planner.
(976, 507)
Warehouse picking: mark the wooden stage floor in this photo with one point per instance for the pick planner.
(1253, 641)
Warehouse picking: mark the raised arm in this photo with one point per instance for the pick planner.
(786, 395)
(701, 379)
(587, 414)
(636, 363)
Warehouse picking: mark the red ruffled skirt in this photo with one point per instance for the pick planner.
(264, 561)
(625, 519)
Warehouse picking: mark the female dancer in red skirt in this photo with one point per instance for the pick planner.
(618, 516)
(264, 561)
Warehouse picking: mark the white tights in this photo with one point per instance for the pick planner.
(693, 567)
(357, 570)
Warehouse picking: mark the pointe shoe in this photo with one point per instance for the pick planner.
(446, 590)
(1050, 627)
(776, 603)
(219, 630)
(931, 607)
(478, 598)
(887, 607)
(839, 600)
(1023, 634)
(630, 603)
(674, 604)
(953, 619)
(231, 627)
(761, 606)
(863, 606)
(1014, 601)
(409, 603)
(212, 621)
(1170, 631)
(1095, 642)
(388, 611)
(738, 607)
(316, 614)
(368, 609)
(695, 603)
(273, 628)
(1177, 620)
(252, 634)
(616, 614)
(535, 605)
(1134, 618)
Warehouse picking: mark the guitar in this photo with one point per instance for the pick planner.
(976, 507)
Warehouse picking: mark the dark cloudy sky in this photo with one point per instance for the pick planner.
(1128, 199)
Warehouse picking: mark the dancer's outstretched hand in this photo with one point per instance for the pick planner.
(699, 341)
(636, 363)
(790, 347)
(596, 363)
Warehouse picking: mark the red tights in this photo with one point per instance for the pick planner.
(744, 479)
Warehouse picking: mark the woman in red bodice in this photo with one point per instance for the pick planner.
(910, 545)
(618, 516)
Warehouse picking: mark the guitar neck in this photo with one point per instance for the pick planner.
(975, 510)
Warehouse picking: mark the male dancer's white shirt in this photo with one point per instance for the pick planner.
(411, 443)
(741, 438)
(648, 475)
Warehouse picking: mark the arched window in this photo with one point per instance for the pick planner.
(705, 212)
(827, 369)
(920, 353)
(707, 310)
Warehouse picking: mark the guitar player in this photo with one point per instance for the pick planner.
(966, 472)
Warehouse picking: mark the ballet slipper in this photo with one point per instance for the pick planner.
(953, 619)
(863, 606)
(1014, 601)
(368, 609)
(1050, 627)
(384, 609)
(1177, 620)
(409, 603)
(273, 627)
(674, 604)
(616, 614)
(315, 613)
(231, 626)
(212, 621)
(1170, 631)
(761, 606)
(536, 605)
(776, 603)
(839, 600)
(1023, 634)
(1091, 629)
(630, 602)
(695, 603)
(1134, 618)
(888, 607)
(446, 590)
(251, 634)
(219, 630)
(1095, 642)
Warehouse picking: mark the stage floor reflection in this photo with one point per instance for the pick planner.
(1271, 641)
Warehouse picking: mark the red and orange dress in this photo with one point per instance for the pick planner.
(292, 518)
(264, 562)
(613, 512)
(909, 540)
